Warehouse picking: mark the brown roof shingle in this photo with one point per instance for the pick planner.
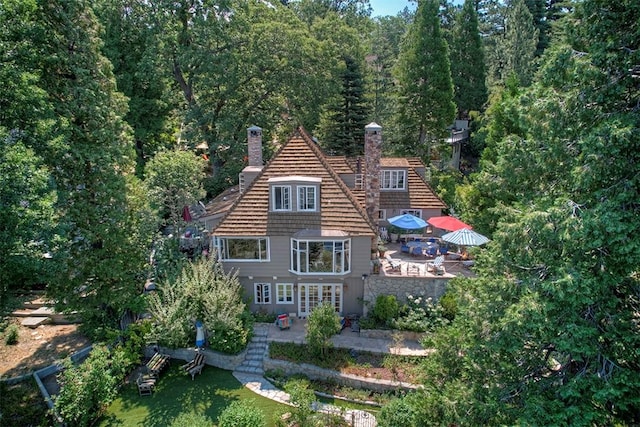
(300, 156)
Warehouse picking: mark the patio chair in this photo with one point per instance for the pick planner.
(432, 251)
(145, 384)
(195, 366)
(395, 264)
(416, 251)
(282, 321)
(436, 266)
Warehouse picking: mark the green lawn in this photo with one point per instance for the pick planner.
(176, 393)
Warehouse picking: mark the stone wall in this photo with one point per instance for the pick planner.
(400, 286)
(212, 358)
(316, 373)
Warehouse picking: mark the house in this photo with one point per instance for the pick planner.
(303, 228)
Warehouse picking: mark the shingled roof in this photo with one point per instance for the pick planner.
(300, 156)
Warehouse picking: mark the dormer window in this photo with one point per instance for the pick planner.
(393, 179)
(295, 194)
(281, 197)
(307, 198)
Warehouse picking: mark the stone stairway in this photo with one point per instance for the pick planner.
(256, 350)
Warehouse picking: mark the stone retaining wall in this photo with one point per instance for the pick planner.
(212, 358)
(400, 286)
(390, 334)
(316, 373)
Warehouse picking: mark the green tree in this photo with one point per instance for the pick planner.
(346, 119)
(174, 180)
(132, 45)
(467, 62)
(202, 292)
(87, 390)
(322, 325)
(425, 85)
(73, 122)
(552, 316)
(518, 46)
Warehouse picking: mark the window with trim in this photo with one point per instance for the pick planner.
(417, 213)
(281, 197)
(307, 198)
(262, 293)
(320, 256)
(382, 214)
(284, 293)
(393, 180)
(243, 248)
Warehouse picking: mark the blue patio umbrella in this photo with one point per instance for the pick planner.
(407, 221)
(199, 334)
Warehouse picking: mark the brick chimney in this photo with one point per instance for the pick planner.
(254, 153)
(254, 143)
(372, 154)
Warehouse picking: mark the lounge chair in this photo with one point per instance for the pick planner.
(416, 251)
(436, 266)
(395, 264)
(195, 366)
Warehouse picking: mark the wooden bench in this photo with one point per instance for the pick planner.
(195, 366)
(157, 363)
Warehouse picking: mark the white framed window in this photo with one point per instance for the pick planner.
(417, 213)
(307, 198)
(393, 180)
(320, 256)
(262, 293)
(281, 197)
(382, 214)
(243, 248)
(284, 293)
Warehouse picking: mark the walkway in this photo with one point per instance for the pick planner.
(251, 373)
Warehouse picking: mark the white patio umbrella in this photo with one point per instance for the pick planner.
(465, 237)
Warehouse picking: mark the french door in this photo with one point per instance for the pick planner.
(311, 294)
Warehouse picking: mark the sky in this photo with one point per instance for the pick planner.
(390, 7)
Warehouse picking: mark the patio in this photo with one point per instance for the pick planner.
(416, 266)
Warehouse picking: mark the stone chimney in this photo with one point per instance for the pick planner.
(254, 148)
(254, 143)
(372, 154)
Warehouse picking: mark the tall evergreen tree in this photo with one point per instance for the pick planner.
(548, 334)
(104, 233)
(426, 106)
(467, 61)
(517, 49)
(347, 118)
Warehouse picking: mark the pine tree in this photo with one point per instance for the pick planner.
(424, 79)
(518, 47)
(467, 61)
(349, 115)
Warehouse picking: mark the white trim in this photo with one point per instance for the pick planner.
(264, 291)
(281, 297)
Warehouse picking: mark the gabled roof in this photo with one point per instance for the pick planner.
(300, 156)
(420, 195)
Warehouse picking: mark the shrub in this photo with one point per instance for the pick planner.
(449, 306)
(386, 308)
(398, 412)
(242, 413)
(323, 324)
(87, 390)
(191, 419)
(419, 315)
(13, 332)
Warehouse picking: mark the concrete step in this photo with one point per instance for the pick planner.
(251, 370)
(21, 313)
(34, 322)
(36, 303)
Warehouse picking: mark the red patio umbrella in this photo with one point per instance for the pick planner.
(448, 223)
(186, 214)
